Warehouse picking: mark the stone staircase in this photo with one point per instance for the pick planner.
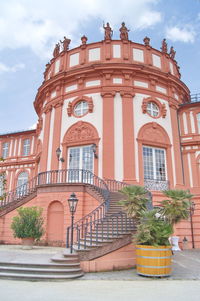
(108, 233)
(55, 269)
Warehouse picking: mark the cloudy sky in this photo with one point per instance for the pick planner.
(29, 30)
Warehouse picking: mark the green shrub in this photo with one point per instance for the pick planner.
(28, 223)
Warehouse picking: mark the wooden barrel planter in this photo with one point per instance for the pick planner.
(153, 261)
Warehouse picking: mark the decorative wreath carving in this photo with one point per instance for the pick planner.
(152, 133)
(161, 106)
(81, 132)
(71, 105)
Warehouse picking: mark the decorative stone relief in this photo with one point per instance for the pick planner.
(81, 131)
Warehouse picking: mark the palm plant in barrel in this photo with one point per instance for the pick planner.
(153, 248)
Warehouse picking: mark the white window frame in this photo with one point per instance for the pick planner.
(154, 163)
(2, 186)
(5, 150)
(22, 188)
(153, 108)
(82, 108)
(26, 147)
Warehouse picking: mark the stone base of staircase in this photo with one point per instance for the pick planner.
(35, 265)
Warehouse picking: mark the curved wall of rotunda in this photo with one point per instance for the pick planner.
(108, 91)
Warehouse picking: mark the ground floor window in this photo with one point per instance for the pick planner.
(154, 160)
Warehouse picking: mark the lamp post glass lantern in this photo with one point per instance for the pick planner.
(72, 202)
(58, 154)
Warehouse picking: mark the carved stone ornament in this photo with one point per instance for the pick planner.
(81, 131)
(39, 126)
(71, 105)
(161, 106)
(69, 109)
(153, 133)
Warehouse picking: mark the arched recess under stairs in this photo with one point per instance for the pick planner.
(55, 223)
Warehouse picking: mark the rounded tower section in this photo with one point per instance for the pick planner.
(105, 94)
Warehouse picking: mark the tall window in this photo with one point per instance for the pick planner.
(5, 149)
(154, 163)
(81, 158)
(26, 147)
(198, 121)
(2, 179)
(21, 183)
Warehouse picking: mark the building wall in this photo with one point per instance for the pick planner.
(45, 199)
(117, 80)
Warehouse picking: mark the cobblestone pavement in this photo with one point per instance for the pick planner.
(186, 264)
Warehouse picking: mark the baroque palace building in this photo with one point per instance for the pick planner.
(109, 113)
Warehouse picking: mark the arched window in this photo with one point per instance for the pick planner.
(22, 186)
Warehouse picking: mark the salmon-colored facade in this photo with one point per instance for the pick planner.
(118, 109)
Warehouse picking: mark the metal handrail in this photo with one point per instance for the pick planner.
(65, 176)
(195, 97)
(114, 185)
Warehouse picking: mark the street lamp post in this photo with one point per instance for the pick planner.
(192, 208)
(72, 202)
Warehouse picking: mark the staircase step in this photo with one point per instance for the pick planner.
(62, 259)
(41, 266)
(23, 270)
(39, 277)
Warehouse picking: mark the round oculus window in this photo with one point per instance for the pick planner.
(81, 108)
(152, 109)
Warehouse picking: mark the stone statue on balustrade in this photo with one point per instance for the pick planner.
(56, 50)
(164, 46)
(172, 53)
(108, 32)
(65, 44)
(124, 32)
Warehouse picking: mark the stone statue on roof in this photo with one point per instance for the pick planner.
(124, 32)
(56, 50)
(65, 43)
(164, 46)
(108, 32)
(172, 53)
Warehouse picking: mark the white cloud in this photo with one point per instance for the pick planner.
(15, 68)
(185, 34)
(33, 126)
(38, 24)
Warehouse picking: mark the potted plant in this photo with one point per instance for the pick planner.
(175, 209)
(154, 227)
(153, 249)
(28, 225)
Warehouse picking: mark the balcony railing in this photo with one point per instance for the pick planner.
(195, 97)
(154, 185)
